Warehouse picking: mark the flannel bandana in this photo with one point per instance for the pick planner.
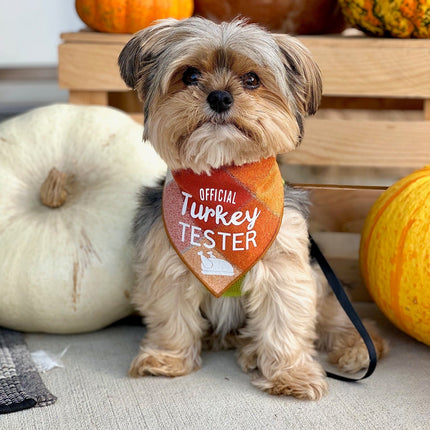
(222, 223)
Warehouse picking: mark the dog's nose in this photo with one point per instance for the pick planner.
(220, 101)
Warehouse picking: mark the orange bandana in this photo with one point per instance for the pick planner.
(221, 224)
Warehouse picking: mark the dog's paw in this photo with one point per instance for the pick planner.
(160, 363)
(247, 360)
(306, 382)
(350, 353)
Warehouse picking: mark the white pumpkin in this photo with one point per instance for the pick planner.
(68, 268)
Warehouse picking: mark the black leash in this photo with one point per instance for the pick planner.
(348, 308)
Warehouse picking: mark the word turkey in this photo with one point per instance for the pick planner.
(235, 241)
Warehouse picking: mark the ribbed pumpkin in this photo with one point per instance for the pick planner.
(129, 16)
(395, 18)
(395, 254)
(69, 177)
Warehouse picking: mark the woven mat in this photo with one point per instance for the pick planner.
(20, 384)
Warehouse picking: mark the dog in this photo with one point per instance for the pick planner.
(216, 95)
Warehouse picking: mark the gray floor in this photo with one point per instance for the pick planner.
(94, 391)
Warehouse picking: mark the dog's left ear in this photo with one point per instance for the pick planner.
(303, 73)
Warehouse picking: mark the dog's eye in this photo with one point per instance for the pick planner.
(191, 76)
(250, 80)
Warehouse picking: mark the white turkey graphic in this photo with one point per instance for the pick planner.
(215, 266)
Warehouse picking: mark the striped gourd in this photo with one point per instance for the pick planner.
(392, 18)
(395, 254)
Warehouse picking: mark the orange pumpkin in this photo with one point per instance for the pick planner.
(129, 16)
(284, 16)
(395, 254)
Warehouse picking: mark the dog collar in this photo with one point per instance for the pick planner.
(222, 223)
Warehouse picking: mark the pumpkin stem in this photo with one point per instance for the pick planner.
(54, 190)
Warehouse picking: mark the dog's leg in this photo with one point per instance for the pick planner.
(280, 294)
(169, 298)
(172, 345)
(338, 336)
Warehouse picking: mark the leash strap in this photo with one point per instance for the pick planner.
(348, 308)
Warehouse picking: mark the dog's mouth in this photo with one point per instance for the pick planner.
(221, 130)
(213, 144)
(219, 121)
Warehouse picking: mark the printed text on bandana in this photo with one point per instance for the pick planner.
(226, 240)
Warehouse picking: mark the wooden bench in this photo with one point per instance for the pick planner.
(373, 126)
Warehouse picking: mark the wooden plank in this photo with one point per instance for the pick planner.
(342, 252)
(334, 41)
(364, 66)
(84, 66)
(312, 42)
(350, 66)
(88, 98)
(89, 36)
(340, 209)
(363, 143)
(342, 175)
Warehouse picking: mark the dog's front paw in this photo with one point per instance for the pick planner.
(307, 382)
(160, 363)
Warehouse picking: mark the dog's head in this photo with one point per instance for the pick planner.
(220, 94)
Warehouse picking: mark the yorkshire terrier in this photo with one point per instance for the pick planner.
(219, 100)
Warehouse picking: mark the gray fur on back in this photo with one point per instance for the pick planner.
(148, 211)
(297, 199)
(150, 206)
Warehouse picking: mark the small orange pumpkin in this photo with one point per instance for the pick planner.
(129, 16)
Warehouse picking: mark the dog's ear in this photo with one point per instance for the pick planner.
(303, 73)
(138, 59)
